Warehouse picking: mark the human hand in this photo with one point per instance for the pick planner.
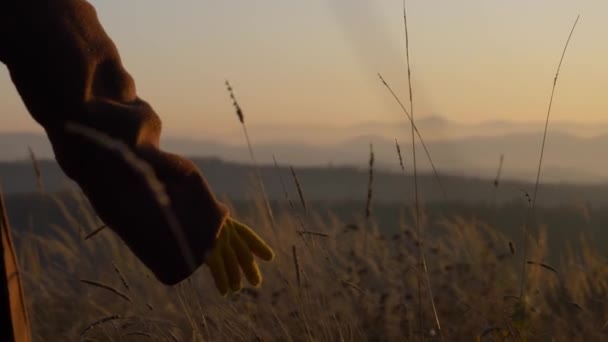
(236, 246)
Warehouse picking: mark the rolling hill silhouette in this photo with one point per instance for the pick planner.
(568, 157)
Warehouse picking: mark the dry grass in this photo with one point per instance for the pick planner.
(331, 280)
(296, 180)
(327, 291)
(422, 264)
(241, 117)
(540, 161)
(37, 171)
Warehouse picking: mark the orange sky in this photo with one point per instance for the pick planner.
(316, 61)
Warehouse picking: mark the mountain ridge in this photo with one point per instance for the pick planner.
(568, 157)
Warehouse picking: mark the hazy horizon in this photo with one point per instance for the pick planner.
(568, 157)
(335, 222)
(432, 128)
(301, 63)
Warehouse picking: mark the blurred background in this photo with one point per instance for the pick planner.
(305, 74)
(348, 247)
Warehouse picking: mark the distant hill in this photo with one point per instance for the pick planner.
(13, 146)
(568, 157)
(433, 128)
(328, 184)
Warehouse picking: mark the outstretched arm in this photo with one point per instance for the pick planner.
(67, 69)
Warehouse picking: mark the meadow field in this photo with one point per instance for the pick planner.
(338, 276)
(425, 257)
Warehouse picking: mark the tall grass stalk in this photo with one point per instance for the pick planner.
(496, 184)
(187, 311)
(95, 232)
(498, 175)
(426, 150)
(421, 256)
(107, 288)
(299, 188)
(399, 155)
(290, 202)
(370, 184)
(296, 264)
(241, 116)
(285, 192)
(532, 207)
(121, 276)
(370, 194)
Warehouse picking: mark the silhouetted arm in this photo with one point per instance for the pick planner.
(67, 69)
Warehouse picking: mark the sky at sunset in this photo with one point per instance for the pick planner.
(315, 61)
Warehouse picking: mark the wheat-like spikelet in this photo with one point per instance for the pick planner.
(296, 264)
(285, 192)
(98, 322)
(426, 150)
(37, 171)
(241, 117)
(399, 155)
(370, 184)
(107, 288)
(299, 188)
(122, 278)
(95, 232)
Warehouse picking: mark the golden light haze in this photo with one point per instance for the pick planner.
(316, 61)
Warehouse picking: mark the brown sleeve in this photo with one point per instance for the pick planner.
(67, 69)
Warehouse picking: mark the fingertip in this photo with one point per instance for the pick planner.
(266, 254)
(237, 291)
(235, 287)
(257, 282)
(258, 246)
(271, 255)
(219, 274)
(254, 276)
(232, 269)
